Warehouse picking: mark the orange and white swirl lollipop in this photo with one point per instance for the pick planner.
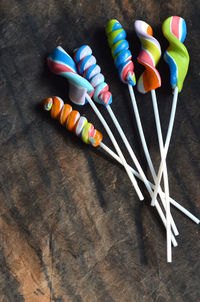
(72, 120)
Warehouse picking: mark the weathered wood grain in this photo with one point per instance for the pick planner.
(71, 226)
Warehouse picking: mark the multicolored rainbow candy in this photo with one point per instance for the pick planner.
(177, 57)
(149, 57)
(120, 52)
(75, 123)
(62, 64)
(88, 68)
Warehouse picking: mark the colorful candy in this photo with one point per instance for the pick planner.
(75, 123)
(176, 55)
(88, 68)
(120, 52)
(149, 57)
(62, 64)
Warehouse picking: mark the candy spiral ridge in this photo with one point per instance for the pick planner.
(88, 68)
(75, 123)
(176, 56)
(62, 64)
(149, 57)
(120, 52)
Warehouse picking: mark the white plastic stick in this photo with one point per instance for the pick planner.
(165, 176)
(174, 242)
(146, 151)
(172, 201)
(167, 142)
(117, 148)
(134, 158)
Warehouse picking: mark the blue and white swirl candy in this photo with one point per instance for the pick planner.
(120, 52)
(88, 68)
(62, 64)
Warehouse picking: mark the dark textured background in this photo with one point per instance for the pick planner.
(71, 225)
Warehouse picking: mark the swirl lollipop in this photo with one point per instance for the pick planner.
(72, 120)
(120, 52)
(149, 81)
(87, 67)
(149, 57)
(177, 57)
(62, 64)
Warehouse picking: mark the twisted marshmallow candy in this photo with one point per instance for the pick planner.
(62, 64)
(149, 57)
(88, 68)
(175, 30)
(120, 52)
(75, 123)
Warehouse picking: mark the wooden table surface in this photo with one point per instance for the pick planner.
(71, 225)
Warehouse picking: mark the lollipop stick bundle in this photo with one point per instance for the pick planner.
(86, 82)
